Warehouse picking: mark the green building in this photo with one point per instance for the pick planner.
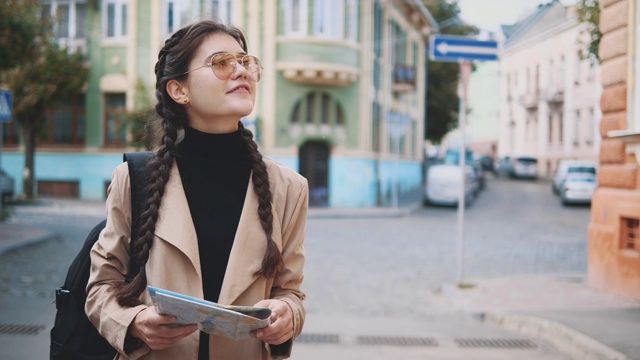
(342, 98)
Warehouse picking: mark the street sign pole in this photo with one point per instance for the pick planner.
(462, 50)
(463, 84)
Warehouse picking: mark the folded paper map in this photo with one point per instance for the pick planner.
(233, 322)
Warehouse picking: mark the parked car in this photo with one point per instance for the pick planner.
(443, 184)
(452, 157)
(578, 188)
(504, 166)
(525, 167)
(7, 184)
(570, 167)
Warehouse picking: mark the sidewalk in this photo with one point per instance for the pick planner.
(580, 321)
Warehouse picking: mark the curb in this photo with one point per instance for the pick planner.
(14, 244)
(566, 339)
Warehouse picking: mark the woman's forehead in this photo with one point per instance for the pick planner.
(219, 42)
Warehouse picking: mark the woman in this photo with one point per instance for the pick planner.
(221, 223)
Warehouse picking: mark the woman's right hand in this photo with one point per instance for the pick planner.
(158, 331)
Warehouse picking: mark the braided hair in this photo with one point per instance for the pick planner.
(173, 63)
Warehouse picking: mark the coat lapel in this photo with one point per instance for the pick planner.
(174, 224)
(249, 247)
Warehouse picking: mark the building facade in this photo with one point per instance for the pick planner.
(341, 99)
(549, 94)
(614, 231)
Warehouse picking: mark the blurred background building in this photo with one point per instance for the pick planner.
(549, 106)
(343, 80)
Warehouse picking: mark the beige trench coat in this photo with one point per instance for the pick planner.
(174, 263)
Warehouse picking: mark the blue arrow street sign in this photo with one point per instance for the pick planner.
(6, 103)
(457, 48)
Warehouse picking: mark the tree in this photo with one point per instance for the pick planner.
(52, 76)
(589, 13)
(19, 28)
(442, 77)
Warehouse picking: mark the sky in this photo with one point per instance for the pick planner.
(488, 15)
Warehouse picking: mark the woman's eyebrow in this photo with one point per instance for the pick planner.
(225, 52)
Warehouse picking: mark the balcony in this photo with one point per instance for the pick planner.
(404, 78)
(316, 73)
(554, 97)
(73, 45)
(529, 100)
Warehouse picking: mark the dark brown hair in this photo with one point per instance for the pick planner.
(173, 63)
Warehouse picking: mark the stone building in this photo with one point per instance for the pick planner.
(614, 231)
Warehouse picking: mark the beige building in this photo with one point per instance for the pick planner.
(549, 95)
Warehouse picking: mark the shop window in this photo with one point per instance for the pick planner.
(630, 234)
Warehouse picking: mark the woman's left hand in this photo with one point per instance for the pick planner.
(281, 327)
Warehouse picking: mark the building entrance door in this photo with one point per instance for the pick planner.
(314, 165)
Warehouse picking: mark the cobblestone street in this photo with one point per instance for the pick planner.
(387, 268)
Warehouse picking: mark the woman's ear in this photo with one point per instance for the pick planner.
(177, 91)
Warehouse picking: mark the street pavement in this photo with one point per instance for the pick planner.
(522, 317)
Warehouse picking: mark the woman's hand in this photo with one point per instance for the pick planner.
(158, 331)
(281, 327)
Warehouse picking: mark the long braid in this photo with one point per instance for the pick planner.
(159, 169)
(272, 260)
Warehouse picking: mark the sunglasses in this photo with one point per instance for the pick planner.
(224, 65)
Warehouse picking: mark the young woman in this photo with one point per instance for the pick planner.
(221, 222)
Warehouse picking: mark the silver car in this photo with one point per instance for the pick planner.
(578, 188)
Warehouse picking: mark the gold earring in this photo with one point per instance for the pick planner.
(185, 100)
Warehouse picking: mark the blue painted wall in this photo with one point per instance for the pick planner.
(352, 181)
(91, 170)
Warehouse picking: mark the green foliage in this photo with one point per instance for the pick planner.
(19, 28)
(589, 13)
(138, 121)
(442, 78)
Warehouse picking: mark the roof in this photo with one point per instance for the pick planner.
(537, 20)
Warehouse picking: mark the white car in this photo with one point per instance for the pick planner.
(578, 188)
(572, 167)
(525, 167)
(443, 184)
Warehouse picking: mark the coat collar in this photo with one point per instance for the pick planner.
(175, 226)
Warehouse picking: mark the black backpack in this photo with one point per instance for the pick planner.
(73, 336)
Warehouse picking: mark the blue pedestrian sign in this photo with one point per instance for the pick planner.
(6, 105)
(458, 48)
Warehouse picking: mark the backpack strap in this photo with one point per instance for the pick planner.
(139, 177)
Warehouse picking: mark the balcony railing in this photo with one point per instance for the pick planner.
(74, 44)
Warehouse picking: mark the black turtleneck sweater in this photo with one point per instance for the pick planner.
(215, 170)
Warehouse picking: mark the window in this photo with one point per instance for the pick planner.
(114, 19)
(10, 135)
(70, 17)
(578, 70)
(561, 74)
(222, 10)
(375, 126)
(550, 129)
(351, 30)
(175, 15)
(66, 124)
(399, 49)
(578, 123)
(114, 127)
(310, 109)
(326, 107)
(339, 115)
(630, 234)
(552, 78)
(295, 13)
(592, 127)
(295, 117)
(329, 18)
